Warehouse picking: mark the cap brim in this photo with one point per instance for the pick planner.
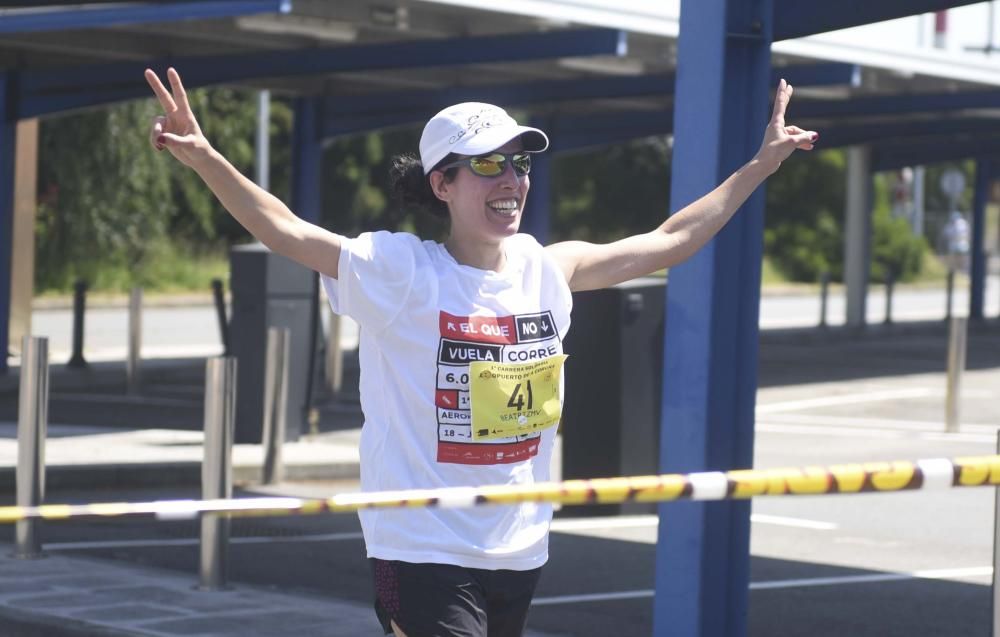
(534, 140)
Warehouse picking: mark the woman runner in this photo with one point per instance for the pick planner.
(461, 344)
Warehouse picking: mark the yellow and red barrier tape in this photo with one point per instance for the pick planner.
(869, 477)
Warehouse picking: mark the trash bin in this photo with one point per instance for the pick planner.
(269, 290)
(611, 411)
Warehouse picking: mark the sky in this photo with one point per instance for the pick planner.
(966, 27)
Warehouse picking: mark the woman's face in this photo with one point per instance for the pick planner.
(485, 209)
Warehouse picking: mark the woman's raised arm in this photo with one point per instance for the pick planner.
(590, 266)
(261, 213)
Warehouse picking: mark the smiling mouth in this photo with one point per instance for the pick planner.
(505, 207)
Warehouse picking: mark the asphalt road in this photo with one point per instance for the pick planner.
(915, 564)
(194, 331)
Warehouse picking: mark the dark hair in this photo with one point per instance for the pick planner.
(411, 188)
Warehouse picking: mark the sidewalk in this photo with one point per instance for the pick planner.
(81, 456)
(62, 595)
(59, 596)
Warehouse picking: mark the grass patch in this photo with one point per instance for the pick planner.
(163, 269)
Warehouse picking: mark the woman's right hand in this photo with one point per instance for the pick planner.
(177, 130)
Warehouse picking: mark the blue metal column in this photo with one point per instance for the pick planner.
(977, 284)
(307, 153)
(537, 220)
(8, 133)
(710, 344)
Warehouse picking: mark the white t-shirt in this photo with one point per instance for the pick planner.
(424, 318)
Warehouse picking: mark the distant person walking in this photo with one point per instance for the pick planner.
(461, 344)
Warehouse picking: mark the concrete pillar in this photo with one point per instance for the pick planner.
(8, 137)
(22, 285)
(857, 233)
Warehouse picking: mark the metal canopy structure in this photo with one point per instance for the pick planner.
(592, 75)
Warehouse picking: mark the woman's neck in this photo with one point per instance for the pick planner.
(481, 256)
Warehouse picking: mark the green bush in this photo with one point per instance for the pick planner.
(804, 229)
(803, 233)
(895, 249)
(115, 213)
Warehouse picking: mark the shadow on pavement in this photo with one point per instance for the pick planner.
(792, 357)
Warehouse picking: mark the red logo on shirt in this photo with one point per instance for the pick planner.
(481, 329)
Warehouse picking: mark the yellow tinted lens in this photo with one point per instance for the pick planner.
(489, 166)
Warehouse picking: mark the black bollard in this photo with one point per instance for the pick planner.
(890, 282)
(824, 288)
(220, 311)
(77, 361)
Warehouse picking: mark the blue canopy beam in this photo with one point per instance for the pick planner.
(799, 18)
(933, 151)
(652, 85)
(823, 74)
(537, 219)
(41, 19)
(307, 155)
(402, 103)
(894, 105)
(574, 133)
(353, 114)
(985, 173)
(713, 303)
(851, 134)
(51, 91)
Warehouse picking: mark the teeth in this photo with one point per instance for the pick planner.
(508, 205)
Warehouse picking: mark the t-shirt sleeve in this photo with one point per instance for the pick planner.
(375, 276)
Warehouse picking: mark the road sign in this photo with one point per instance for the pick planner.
(953, 183)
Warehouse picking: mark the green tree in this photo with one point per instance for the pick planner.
(356, 186)
(607, 193)
(103, 199)
(111, 209)
(803, 232)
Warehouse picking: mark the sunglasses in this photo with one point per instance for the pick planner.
(494, 164)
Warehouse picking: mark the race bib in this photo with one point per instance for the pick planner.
(512, 399)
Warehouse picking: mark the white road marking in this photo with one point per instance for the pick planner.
(615, 522)
(854, 432)
(948, 573)
(777, 520)
(594, 597)
(640, 521)
(951, 573)
(858, 422)
(845, 399)
(153, 543)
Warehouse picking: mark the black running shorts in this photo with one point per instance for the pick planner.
(440, 600)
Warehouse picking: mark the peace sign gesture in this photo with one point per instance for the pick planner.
(177, 130)
(781, 140)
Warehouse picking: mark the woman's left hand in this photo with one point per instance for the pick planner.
(781, 140)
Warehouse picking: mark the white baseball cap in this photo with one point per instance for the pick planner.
(474, 128)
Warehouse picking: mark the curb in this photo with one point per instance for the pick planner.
(96, 301)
